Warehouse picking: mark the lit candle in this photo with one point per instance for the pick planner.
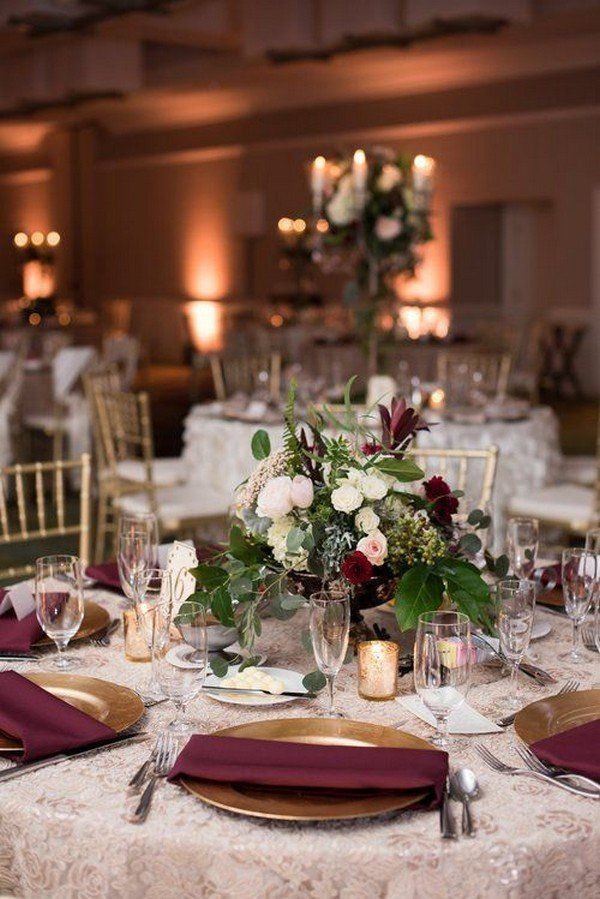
(422, 172)
(378, 670)
(136, 645)
(359, 176)
(437, 400)
(317, 182)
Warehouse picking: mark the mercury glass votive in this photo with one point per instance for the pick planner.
(136, 645)
(378, 670)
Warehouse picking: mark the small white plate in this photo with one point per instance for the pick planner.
(540, 629)
(291, 679)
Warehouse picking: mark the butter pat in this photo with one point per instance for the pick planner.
(255, 679)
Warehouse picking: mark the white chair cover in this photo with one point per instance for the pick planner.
(67, 367)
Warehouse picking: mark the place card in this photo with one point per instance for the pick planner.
(182, 557)
(464, 720)
(20, 598)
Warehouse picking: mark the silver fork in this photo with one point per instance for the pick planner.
(496, 765)
(103, 638)
(135, 784)
(589, 638)
(536, 764)
(569, 686)
(165, 760)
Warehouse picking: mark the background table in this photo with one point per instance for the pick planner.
(217, 452)
(63, 833)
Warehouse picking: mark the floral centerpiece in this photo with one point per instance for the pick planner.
(326, 509)
(376, 212)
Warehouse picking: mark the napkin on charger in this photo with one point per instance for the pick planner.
(19, 627)
(576, 749)
(463, 720)
(18, 597)
(44, 723)
(289, 764)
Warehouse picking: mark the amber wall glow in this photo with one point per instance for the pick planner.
(206, 325)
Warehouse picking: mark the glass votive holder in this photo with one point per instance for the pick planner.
(136, 645)
(378, 669)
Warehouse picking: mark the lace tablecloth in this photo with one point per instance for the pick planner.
(63, 832)
(217, 452)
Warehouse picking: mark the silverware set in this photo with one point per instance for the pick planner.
(103, 637)
(589, 638)
(563, 781)
(155, 768)
(462, 786)
(571, 686)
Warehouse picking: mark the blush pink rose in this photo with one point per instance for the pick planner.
(275, 499)
(374, 547)
(302, 491)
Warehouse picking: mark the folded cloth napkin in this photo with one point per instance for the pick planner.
(45, 724)
(464, 720)
(107, 575)
(18, 635)
(278, 763)
(576, 750)
(549, 576)
(19, 597)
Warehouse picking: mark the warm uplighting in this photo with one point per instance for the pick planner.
(35, 318)
(437, 399)
(64, 319)
(422, 171)
(37, 238)
(285, 225)
(322, 226)
(276, 320)
(425, 321)
(360, 171)
(38, 279)
(299, 226)
(317, 182)
(206, 325)
(53, 238)
(20, 239)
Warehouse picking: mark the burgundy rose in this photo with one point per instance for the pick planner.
(370, 448)
(439, 493)
(356, 568)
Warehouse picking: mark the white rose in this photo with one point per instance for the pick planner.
(373, 487)
(366, 520)
(340, 209)
(346, 498)
(387, 227)
(374, 547)
(389, 178)
(355, 477)
(275, 499)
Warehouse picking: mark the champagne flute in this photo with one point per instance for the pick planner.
(131, 522)
(152, 587)
(579, 583)
(180, 648)
(329, 620)
(442, 665)
(523, 542)
(59, 601)
(136, 553)
(516, 609)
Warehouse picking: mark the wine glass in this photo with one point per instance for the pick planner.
(180, 648)
(579, 583)
(329, 620)
(442, 665)
(136, 553)
(515, 612)
(130, 522)
(523, 542)
(59, 601)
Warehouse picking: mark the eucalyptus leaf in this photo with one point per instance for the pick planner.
(250, 662)
(501, 566)
(261, 444)
(219, 667)
(306, 640)
(295, 539)
(292, 602)
(474, 517)
(470, 544)
(314, 682)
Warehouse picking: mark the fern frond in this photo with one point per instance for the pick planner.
(291, 443)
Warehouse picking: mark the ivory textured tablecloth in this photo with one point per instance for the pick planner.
(217, 452)
(63, 833)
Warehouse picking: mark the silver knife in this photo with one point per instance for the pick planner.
(447, 822)
(20, 769)
(255, 690)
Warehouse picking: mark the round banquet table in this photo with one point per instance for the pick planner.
(63, 832)
(217, 452)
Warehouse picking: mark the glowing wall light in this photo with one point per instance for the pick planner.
(205, 322)
(38, 279)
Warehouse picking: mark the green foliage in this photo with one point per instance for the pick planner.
(314, 681)
(261, 445)
(219, 667)
(291, 443)
(419, 590)
(404, 470)
(470, 544)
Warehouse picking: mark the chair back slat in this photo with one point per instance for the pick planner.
(39, 495)
(489, 371)
(246, 373)
(21, 503)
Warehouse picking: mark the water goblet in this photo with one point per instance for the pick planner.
(580, 573)
(151, 588)
(442, 665)
(329, 621)
(180, 648)
(59, 601)
(515, 613)
(523, 542)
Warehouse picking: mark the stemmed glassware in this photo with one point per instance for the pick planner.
(515, 613)
(442, 665)
(152, 587)
(137, 550)
(523, 542)
(579, 582)
(180, 649)
(329, 621)
(59, 601)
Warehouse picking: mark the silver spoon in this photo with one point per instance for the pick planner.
(464, 787)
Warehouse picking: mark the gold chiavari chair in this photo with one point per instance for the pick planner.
(102, 380)
(245, 374)
(33, 506)
(133, 480)
(473, 471)
(489, 372)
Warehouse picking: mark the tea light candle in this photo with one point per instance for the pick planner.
(377, 669)
(437, 400)
(136, 645)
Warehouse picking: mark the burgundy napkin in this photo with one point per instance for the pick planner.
(549, 577)
(277, 763)
(107, 574)
(15, 635)
(577, 749)
(45, 724)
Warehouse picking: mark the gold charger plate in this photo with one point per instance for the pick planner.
(303, 804)
(116, 706)
(95, 618)
(555, 714)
